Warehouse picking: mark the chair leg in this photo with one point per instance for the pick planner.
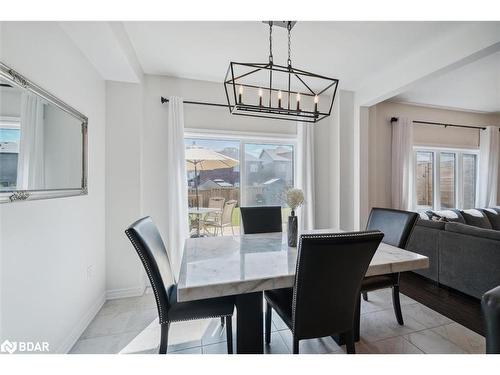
(349, 342)
(229, 334)
(164, 338)
(295, 345)
(365, 296)
(269, 311)
(397, 304)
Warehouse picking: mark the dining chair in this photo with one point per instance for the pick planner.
(149, 245)
(216, 202)
(262, 219)
(224, 220)
(397, 226)
(490, 306)
(325, 295)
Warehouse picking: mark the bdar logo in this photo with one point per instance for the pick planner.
(8, 347)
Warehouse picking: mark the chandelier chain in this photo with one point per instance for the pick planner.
(271, 42)
(289, 27)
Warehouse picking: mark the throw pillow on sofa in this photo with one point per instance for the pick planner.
(447, 216)
(494, 217)
(476, 218)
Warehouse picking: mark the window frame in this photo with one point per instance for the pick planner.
(436, 188)
(252, 138)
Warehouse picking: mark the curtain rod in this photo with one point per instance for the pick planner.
(165, 100)
(393, 119)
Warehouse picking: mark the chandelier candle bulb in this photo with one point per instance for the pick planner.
(240, 94)
(279, 99)
(260, 97)
(316, 100)
(298, 102)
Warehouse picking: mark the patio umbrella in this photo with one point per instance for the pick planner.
(204, 159)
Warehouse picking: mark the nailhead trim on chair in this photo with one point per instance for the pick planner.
(160, 309)
(331, 235)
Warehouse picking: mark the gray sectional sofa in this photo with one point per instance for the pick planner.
(463, 248)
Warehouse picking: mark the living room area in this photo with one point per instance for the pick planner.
(204, 185)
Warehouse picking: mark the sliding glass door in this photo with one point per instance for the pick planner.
(257, 172)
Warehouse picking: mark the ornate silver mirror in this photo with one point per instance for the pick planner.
(43, 142)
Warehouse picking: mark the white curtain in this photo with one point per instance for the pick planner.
(30, 164)
(176, 194)
(305, 173)
(402, 160)
(488, 166)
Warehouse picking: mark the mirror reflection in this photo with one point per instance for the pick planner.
(40, 144)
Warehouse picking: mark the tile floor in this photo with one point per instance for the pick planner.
(130, 325)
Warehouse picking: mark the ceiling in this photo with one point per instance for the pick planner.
(475, 86)
(349, 51)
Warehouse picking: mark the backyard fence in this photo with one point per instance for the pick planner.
(253, 194)
(229, 193)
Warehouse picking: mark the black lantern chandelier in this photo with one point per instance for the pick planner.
(288, 94)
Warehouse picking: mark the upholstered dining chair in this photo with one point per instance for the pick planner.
(325, 296)
(490, 306)
(154, 257)
(397, 226)
(263, 219)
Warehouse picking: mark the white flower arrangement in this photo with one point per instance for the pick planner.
(294, 198)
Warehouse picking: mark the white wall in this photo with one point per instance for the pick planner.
(47, 246)
(347, 171)
(327, 167)
(379, 135)
(124, 120)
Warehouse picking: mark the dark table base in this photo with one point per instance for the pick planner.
(249, 324)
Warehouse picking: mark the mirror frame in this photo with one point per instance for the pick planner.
(18, 80)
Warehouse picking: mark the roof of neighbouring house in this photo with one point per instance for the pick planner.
(274, 155)
(272, 181)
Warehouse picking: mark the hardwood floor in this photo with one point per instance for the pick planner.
(455, 305)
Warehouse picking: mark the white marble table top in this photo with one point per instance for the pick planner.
(229, 265)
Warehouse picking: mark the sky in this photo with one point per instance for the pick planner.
(217, 145)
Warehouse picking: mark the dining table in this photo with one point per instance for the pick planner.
(246, 265)
(200, 213)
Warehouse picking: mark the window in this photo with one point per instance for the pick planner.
(469, 176)
(265, 185)
(9, 150)
(424, 179)
(445, 178)
(265, 170)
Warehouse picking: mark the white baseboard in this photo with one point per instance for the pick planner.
(126, 292)
(83, 323)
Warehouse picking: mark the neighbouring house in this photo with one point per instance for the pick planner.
(275, 163)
